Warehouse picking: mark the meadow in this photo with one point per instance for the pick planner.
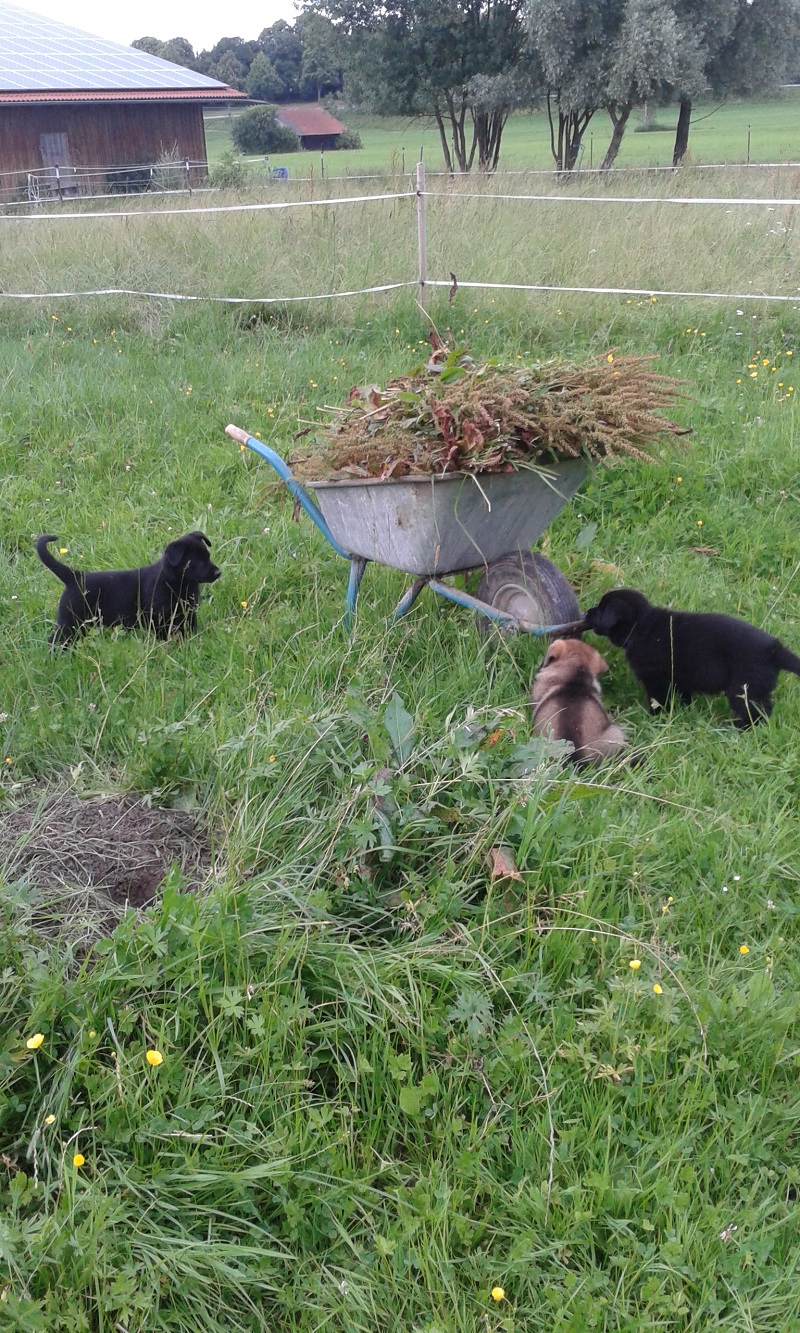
(390, 1084)
(768, 129)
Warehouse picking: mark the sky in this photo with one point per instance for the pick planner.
(200, 21)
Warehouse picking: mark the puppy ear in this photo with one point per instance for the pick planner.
(175, 552)
(596, 663)
(555, 652)
(202, 537)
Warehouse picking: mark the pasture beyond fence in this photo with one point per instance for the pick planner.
(423, 281)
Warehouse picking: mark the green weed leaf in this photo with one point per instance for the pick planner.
(400, 725)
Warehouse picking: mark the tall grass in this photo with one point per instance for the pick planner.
(390, 1083)
(473, 232)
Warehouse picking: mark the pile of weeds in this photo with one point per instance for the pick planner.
(455, 414)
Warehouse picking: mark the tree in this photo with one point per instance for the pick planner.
(574, 40)
(283, 48)
(616, 54)
(263, 82)
(420, 57)
(741, 46)
(257, 130)
(229, 70)
(492, 99)
(321, 62)
(650, 55)
(150, 45)
(177, 50)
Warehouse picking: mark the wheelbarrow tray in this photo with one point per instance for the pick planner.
(441, 525)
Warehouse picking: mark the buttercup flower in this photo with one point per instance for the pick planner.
(49, 1119)
(657, 989)
(635, 964)
(498, 1294)
(33, 1043)
(154, 1058)
(743, 948)
(78, 1159)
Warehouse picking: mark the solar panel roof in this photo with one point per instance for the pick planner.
(38, 54)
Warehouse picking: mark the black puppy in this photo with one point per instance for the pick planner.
(694, 653)
(162, 596)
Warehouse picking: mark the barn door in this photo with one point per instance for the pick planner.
(54, 152)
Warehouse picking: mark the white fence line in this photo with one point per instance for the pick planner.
(649, 292)
(224, 300)
(699, 200)
(421, 194)
(616, 199)
(210, 208)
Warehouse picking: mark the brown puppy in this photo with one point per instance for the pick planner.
(566, 702)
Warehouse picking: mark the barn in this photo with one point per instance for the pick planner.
(314, 126)
(80, 115)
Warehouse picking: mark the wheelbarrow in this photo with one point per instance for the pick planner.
(454, 523)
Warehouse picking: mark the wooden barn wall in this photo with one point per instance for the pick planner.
(100, 135)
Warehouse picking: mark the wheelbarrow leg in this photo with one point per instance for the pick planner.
(357, 567)
(409, 598)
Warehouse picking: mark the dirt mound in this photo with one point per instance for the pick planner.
(90, 859)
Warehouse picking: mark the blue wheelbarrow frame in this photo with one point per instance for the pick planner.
(422, 538)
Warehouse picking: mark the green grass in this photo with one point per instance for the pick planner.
(388, 1083)
(719, 133)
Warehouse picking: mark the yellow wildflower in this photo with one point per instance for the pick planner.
(78, 1159)
(33, 1043)
(657, 989)
(154, 1058)
(743, 949)
(635, 964)
(498, 1294)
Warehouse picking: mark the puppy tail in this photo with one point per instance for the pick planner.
(68, 576)
(786, 660)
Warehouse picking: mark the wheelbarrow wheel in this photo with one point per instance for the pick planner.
(529, 587)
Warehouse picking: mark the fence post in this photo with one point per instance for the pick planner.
(422, 252)
(187, 175)
(58, 183)
(322, 163)
(748, 145)
(403, 161)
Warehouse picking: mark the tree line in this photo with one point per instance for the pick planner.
(469, 63)
(287, 62)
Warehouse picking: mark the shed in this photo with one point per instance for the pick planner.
(80, 115)
(314, 126)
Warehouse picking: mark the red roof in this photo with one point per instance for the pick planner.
(129, 95)
(309, 118)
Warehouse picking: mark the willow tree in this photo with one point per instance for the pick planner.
(617, 54)
(741, 46)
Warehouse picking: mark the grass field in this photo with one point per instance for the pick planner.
(719, 133)
(388, 1083)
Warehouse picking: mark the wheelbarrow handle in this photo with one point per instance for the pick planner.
(285, 473)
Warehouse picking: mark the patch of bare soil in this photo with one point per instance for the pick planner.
(86, 861)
